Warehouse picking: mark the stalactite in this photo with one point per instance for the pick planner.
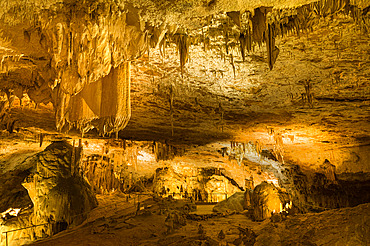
(104, 104)
(232, 64)
(183, 48)
(171, 108)
(259, 25)
(242, 41)
(162, 46)
(272, 50)
(248, 39)
(226, 33)
(235, 16)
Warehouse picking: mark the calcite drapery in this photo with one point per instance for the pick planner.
(91, 48)
(104, 104)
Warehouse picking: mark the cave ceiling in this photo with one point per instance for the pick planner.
(193, 71)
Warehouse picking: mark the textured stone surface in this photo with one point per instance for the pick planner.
(347, 226)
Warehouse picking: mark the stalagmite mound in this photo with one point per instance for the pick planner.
(60, 196)
(267, 199)
(58, 192)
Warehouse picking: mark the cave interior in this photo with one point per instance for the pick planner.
(161, 122)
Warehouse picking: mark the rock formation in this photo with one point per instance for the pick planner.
(60, 197)
(267, 199)
(204, 186)
(64, 52)
(72, 51)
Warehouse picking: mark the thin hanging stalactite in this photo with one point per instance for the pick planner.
(171, 108)
(183, 48)
(232, 64)
(272, 50)
(162, 47)
(226, 38)
(249, 39)
(243, 44)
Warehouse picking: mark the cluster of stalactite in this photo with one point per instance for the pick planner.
(207, 184)
(112, 169)
(239, 150)
(78, 48)
(294, 21)
(248, 29)
(165, 151)
(91, 48)
(99, 171)
(325, 189)
(283, 22)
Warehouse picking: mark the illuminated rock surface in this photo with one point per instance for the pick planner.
(266, 200)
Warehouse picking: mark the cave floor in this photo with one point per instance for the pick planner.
(114, 222)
